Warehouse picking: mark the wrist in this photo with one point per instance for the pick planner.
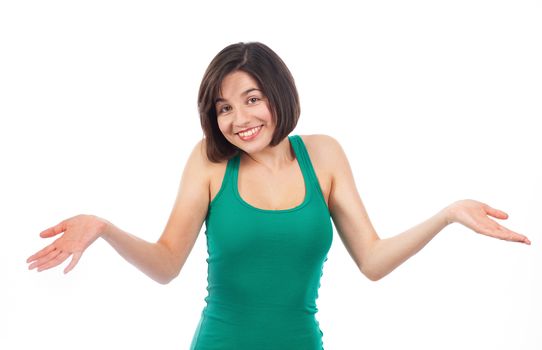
(105, 228)
(449, 214)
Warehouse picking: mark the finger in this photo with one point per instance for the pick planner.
(503, 233)
(75, 259)
(53, 254)
(41, 253)
(514, 236)
(55, 230)
(499, 214)
(56, 261)
(517, 237)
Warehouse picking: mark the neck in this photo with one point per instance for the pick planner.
(272, 158)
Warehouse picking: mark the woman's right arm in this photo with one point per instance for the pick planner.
(162, 260)
(151, 258)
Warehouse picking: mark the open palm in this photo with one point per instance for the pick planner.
(474, 215)
(79, 232)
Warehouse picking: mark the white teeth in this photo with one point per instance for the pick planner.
(249, 132)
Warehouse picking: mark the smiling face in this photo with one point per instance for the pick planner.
(243, 113)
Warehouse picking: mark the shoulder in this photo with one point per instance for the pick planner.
(326, 152)
(199, 163)
(210, 172)
(322, 146)
(319, 139)
(199, 154)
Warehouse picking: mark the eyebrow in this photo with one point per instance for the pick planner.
(220, 99)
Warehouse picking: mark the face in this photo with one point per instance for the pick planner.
(243, 113)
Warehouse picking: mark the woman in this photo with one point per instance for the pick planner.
(267, 200)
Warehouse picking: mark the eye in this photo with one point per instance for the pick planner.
(223, 109)
(255, 99)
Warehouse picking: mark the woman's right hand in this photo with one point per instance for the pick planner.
(80, 232)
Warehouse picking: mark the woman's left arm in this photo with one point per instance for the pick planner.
(387, 254)
(377, 257)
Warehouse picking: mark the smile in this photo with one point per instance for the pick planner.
(249, 134)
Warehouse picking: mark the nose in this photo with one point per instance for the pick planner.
(241, 117)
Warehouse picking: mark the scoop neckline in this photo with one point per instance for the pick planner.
(308, 192)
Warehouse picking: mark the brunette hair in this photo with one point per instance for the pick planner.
(274, 79)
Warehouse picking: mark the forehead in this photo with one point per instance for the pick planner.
(235, 83)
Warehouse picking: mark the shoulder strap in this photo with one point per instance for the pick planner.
(304, 159)
(233, 168)
(227, 180)
(306, 166)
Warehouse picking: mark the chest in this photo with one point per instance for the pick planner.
(277, 191)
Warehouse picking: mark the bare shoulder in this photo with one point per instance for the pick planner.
(202, 169)
(320, 140)
(198, 158)
(327, 154)
(211, 171)
(201, 148)
(323, 148)
(205, 167)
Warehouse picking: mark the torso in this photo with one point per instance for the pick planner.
(275, 191)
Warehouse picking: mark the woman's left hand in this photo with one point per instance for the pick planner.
(474, 215)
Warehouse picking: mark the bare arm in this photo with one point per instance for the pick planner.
(163, 260)
(376, 257)
(153, 259)
(387, 254)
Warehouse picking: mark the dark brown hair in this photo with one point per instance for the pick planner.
(274, 79)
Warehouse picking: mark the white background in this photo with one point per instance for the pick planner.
(432, 102)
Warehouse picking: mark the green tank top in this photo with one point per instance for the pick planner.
(264, 268)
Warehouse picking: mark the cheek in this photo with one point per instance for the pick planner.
(221, 127)
(265, 113)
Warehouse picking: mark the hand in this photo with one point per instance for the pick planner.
(80, 231)
(473, 214)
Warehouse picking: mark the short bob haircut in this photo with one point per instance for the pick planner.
(273, 78)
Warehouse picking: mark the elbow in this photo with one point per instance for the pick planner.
(166, 279)
(374, 277)
(371, 274)
(163, 278)
(163, 281)
(170, 277)
(169, 268)
(373, 267)
(166, 275)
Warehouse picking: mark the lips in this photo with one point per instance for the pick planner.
(252, 134)
(254, 127)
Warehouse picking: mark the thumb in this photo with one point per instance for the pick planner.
(53, 231)
(499, 214)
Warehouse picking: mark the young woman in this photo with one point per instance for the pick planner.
(267, 199)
